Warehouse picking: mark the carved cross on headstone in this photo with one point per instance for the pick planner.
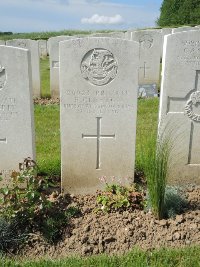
(178, 105)
(144, 68)
(98, 136)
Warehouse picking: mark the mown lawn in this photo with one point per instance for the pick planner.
(187, 257)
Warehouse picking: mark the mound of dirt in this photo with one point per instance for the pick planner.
(118, 232)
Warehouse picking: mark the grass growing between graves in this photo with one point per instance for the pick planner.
(159, 258)
(147, 122)
(47, 125)
(45, 78)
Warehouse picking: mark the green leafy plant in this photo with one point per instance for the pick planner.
(24, 196)
(119, 197)
(27, 201)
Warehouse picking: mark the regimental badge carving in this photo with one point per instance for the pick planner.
(2, 77)
(146, 40)
(194, 100)
(99, 66)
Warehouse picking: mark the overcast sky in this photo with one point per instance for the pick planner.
(53, 15)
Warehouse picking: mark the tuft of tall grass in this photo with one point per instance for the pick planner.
(155, 157)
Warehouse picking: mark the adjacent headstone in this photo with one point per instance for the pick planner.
(42, 48)
(147, 91)
(165, 31)
(98, 82)
(184, 29)
(35, 61)
(128, 34)
(150, 42)
(53, 43)
(16, 110)
(180, 104)
(109, 34)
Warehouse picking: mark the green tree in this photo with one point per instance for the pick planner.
(179, 12)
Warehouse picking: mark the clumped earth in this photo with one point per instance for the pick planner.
(117, 232)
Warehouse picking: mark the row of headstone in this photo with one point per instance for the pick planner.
(98, 83)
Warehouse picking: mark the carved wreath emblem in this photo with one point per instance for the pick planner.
(2, 76)
(99, 66)
(194, 100)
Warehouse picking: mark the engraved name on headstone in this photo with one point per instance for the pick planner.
(98, 82)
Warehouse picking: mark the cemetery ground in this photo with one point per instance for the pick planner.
(91, 232)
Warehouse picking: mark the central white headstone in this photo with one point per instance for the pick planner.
(98, 82)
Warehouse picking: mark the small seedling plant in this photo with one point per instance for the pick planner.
(118, 197)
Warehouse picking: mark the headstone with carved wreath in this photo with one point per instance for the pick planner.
(16, 110)
(180, 104)
(31, 45)
(98, 83)
(150, 43)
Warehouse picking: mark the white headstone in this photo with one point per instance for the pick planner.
(128, 34)
(98, 82)
(42, 48)
(16, 110)
(179, 108)
(109, 34)
(184, 29)
(53, 43)
(150, 42)
(165, 31)
(35, 61)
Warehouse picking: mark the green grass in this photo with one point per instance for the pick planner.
(47, 127)
(137, 258)
(45, 78)
(147, 121)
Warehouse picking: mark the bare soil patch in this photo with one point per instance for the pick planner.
(113, 233)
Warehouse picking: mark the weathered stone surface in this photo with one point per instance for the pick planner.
(109, 34)
(150, 42)
(165, 31)
(35, 61)
(184, 29)
(16, 110)
(179, 109)
(2, 42)
(98, 82)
